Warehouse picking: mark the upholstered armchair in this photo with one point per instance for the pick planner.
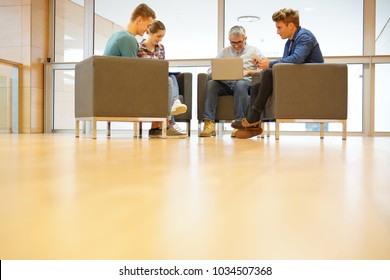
(308, 93)
(121, 89)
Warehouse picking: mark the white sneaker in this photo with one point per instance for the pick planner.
(172, 132)
(177, 127)
(178, 108)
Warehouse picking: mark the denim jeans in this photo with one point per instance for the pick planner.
(173, 94)
(239, 89)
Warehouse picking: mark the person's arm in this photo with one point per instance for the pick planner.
(303, 46)
(128, 47)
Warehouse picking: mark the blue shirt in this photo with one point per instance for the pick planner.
(303, 48)
(122, 43)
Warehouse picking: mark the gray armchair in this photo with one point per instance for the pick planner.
(121, 89)
(309, 93)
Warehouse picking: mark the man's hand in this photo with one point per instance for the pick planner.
(262, 63)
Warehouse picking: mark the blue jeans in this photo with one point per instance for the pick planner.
(173, 93)
(239, 89)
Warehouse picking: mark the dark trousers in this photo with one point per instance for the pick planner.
(260, 93)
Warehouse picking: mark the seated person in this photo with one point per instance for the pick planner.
(152, 48)
(239, 89)
(301, 47)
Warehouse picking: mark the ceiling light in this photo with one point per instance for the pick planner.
(248, 18)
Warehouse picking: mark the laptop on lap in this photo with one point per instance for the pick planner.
(226, 69)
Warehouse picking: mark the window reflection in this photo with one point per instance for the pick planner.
(336, 37)
(382, 97)
(69, 31)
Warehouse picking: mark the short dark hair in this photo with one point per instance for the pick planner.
(287, 16)
(144, 11)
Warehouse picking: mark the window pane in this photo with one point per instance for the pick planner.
(5, 98)
(382, 39)
(69, 30)
(382, 97)
(186, 24)
(63, 99)
(329, 24)
(355, 98)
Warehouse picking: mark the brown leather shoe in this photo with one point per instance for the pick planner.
(246, 124)
(248, 132)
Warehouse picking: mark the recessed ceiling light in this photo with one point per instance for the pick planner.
(248, 18)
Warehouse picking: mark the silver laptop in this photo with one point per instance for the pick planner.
(227, 68)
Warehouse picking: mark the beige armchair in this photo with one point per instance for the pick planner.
(121, 89)
(308, 93)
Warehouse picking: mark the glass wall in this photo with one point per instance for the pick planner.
(192, 38)
(69, 30)
(382, 98)
(63, 100)
(191, 25)
(5, 98)
(382, 38)
(331, 26)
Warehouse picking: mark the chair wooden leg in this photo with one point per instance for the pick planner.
(276, 130)
(77, 128)
(189, 128)
(344, 122)
(164, 129)
(262, 132)
(268, 129)
(136, 129)
(108, 129)
(94, 129)
(140, 130)
(322, 133)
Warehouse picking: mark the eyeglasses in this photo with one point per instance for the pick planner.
(236, 43)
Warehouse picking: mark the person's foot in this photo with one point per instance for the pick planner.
(248, 132)
(178, 128)
(155, 132)
(178, 108)
(237, 124)
(208, 129)
(246, 124)
(174, 132)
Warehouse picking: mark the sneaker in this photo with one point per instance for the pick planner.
(178, 128)
(155, 132)
(208, 129)
(173, 132)
(178, 108)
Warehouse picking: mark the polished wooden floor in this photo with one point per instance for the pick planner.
(216, 198)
